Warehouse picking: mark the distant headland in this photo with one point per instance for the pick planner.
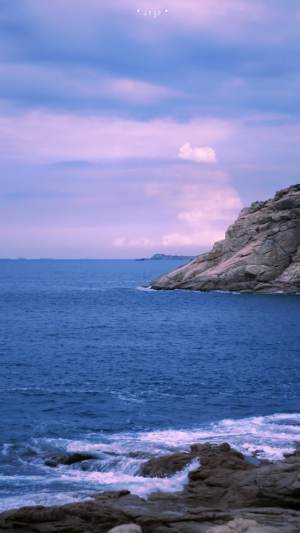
(163, 257)
(260, 252)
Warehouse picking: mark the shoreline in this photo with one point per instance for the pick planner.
(223, 487)
(112, 464)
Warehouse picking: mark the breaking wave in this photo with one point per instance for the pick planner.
(26, 480)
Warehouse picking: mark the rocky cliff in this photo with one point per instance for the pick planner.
(260, 252)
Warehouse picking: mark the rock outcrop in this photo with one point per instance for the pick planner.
(260, 252)
(227, 480)
(167, 465)
(68, 459)
(226, 494)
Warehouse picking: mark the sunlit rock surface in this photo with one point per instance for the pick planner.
(260, 252)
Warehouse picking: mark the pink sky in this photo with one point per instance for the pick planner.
(122, 135)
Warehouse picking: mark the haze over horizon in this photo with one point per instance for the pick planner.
(124, 134)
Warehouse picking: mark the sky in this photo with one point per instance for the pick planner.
(135, 127)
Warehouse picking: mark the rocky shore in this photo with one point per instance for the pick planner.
(260, 252)
(227, 493)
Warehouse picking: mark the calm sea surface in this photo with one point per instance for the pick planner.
(92, 362)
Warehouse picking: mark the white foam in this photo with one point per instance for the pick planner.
(117, 480)
(115, 469)
(274, 434)
(40, 498)
(265, 433)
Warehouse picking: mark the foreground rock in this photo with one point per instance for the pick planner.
(109, 510)
(127, 528)
(226, 494)
(260, 252)
(68, 459)
(167, 465)
(242, 525)
(227, 480)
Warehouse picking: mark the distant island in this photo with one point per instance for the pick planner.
(163, 257)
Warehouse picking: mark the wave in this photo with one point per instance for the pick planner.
(26, 480)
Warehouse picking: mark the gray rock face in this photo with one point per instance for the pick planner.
(227, 480)
(260, 252)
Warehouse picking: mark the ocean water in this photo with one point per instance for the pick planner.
(92, 362)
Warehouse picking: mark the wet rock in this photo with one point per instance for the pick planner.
(68, 459)
(225, 447)
(51, 462)
(260, 252)
(167, 465)
(227, 492)
(296, 453)
(138, 455)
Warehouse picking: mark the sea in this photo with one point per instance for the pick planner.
(93, 362)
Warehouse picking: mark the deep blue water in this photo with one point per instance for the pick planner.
(90, 361)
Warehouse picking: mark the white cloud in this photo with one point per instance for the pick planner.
(210, 204)
(119, 242)
(201, 212)
(204, 238)
(135, 243)
(136, 91)
(78, 82)
(202, 155)
(177, 239)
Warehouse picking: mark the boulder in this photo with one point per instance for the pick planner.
(167, 465)
(216, 461)
(243, 525)
(127, 528)
(260, 252)
(68, 459)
